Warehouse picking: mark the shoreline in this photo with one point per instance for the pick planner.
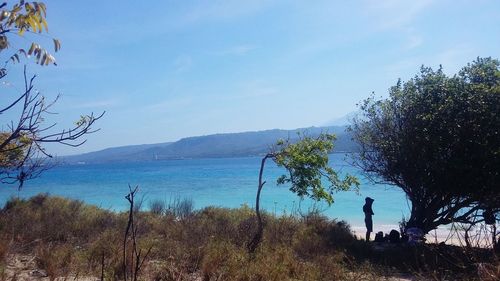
(439, 235)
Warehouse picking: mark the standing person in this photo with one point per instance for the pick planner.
(367, 209)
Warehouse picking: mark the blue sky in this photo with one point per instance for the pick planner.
(163, 70)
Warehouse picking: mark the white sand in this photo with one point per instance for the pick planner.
(480, 236)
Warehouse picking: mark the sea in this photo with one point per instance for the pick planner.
(222, 182)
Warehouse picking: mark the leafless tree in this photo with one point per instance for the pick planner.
(130, 239)
(22, 152)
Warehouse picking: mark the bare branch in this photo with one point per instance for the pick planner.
(21, 146)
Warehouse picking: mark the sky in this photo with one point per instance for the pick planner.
(164, 70)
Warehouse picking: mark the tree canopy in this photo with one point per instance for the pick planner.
(307, 171)
(438, 139)
(306, 163)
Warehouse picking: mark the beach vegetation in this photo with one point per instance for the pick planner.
(436, 137)
(66, 238)
(307, 173)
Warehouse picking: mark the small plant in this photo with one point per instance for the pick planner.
(55, 259)
(157, 207)
(180, 208)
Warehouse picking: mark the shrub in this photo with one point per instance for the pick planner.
(4, 250)
(103, 254)
(56, 260)
(69, 238)
(157, 207)
(180, 208)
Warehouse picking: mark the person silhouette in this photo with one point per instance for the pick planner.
(367, 209)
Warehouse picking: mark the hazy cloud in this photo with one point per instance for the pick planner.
(414, 41)
(171, 104)
(257, 89)
(452, 59)
(237, 50)
(98, 104)
(182, 63)
(390, 14)
(224, 10)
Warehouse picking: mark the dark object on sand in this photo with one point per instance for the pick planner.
(415, 235)
(379, 237)
(404, 238)
(394, 236)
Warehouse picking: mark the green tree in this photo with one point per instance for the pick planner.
(306, 163)
(22, 139)
(438, 139)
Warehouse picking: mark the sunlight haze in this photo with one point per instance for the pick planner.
(164, 70)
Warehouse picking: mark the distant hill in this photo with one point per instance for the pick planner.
(343, 120)
(210, 146)
(113, 154)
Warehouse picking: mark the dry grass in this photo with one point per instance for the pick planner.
(70, 238)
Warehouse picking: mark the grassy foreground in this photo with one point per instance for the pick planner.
(68, 238)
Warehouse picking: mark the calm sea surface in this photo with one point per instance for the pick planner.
(226, 182)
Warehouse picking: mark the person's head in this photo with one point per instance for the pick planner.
(369, 200)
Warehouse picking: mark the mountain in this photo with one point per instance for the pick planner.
(113, 154)
(210, 146)
(344, 120)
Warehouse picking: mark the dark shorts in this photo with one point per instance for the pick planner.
(369, 225)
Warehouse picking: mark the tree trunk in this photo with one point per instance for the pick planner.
(419, 217)
(494, 236)
(260, 226)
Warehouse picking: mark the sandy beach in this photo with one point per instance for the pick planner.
(480, 236)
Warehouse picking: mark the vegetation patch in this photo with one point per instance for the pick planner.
(68, 238)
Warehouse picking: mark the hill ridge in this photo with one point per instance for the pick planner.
(220, 145)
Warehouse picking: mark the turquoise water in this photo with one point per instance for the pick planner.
(226, 182)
